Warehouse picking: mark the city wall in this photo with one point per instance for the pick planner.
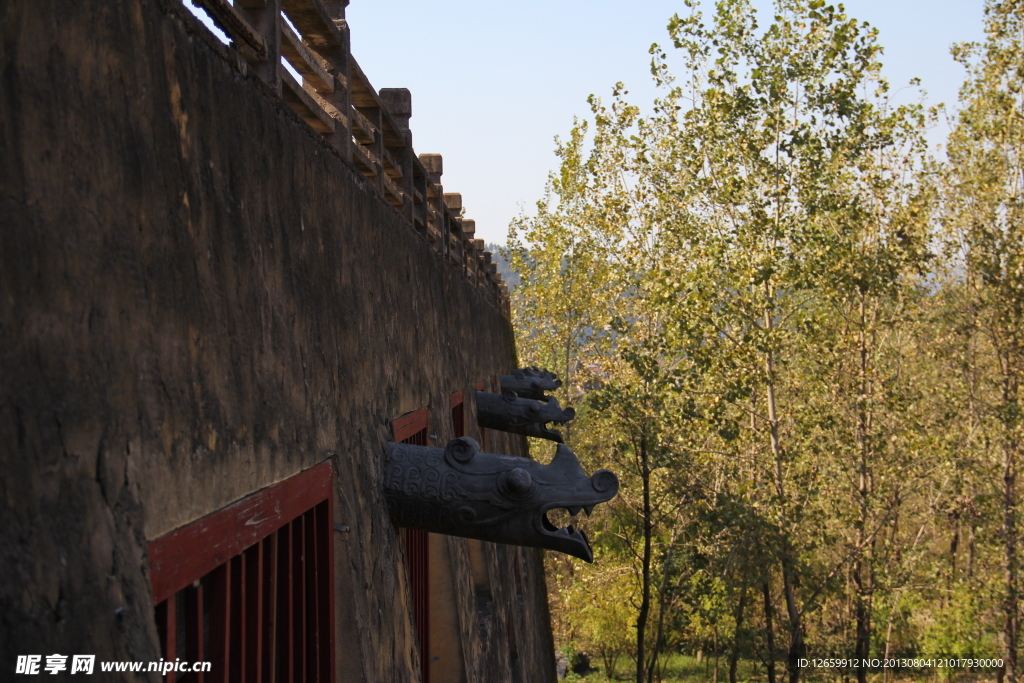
(213, 277)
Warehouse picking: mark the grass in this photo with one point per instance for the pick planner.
(679, 668)
(686, 669)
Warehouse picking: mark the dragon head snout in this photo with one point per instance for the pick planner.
(462, 491)
(583, 496)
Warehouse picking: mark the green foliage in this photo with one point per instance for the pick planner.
(984, 220)
(603, 617)
(810, 393)
(958, 626)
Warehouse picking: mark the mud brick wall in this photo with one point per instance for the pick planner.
(200, 298)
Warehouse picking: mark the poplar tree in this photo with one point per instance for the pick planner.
(703, 270)
(792, 183)
(985, 217)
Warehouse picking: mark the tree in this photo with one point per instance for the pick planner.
(792, 194)
(985, 219)
(738, 287)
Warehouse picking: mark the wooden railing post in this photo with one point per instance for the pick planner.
(398, 102)
(453, 200)
(339, 59)
(265, 17)
(321, 54)
(377, 119)
(468, 231)
(453, 237)
(420, 217)
(433, 165)
(479, 263)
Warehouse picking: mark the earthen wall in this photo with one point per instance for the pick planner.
(200, 296)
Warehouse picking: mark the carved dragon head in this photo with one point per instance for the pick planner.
(461, 491)
(507, 412)
(530, 383)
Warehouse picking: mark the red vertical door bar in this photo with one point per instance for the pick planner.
(237, 616)
(325, 604)
(413, 429)
(167, 627)
(254, 612)
(299, 600)
(285, 611)
(312, 600)
(220, 624)
(417, 550)
(194, 627)
(268, 644)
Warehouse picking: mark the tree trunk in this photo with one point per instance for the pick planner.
(734, 656)
(970, 550)
(888, 640)
(1010, 604)
(861, 567)
(796, 638)
(653, 670)
(954, 544)
(769, 631)
(645, 599)
(715, 679)
(863, 615)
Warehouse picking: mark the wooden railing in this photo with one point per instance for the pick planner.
(369, 129)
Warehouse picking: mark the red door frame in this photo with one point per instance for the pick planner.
(262, 541)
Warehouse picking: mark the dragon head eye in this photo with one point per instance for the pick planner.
(519, 481)
(532, 408)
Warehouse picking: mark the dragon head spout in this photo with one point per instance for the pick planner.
(508, 412)
(461, 491)
(530, 383)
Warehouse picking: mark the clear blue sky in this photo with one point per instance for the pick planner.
(493, 83)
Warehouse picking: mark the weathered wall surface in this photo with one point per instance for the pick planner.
(199, 298)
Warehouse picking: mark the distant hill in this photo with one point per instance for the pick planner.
(510, 277)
